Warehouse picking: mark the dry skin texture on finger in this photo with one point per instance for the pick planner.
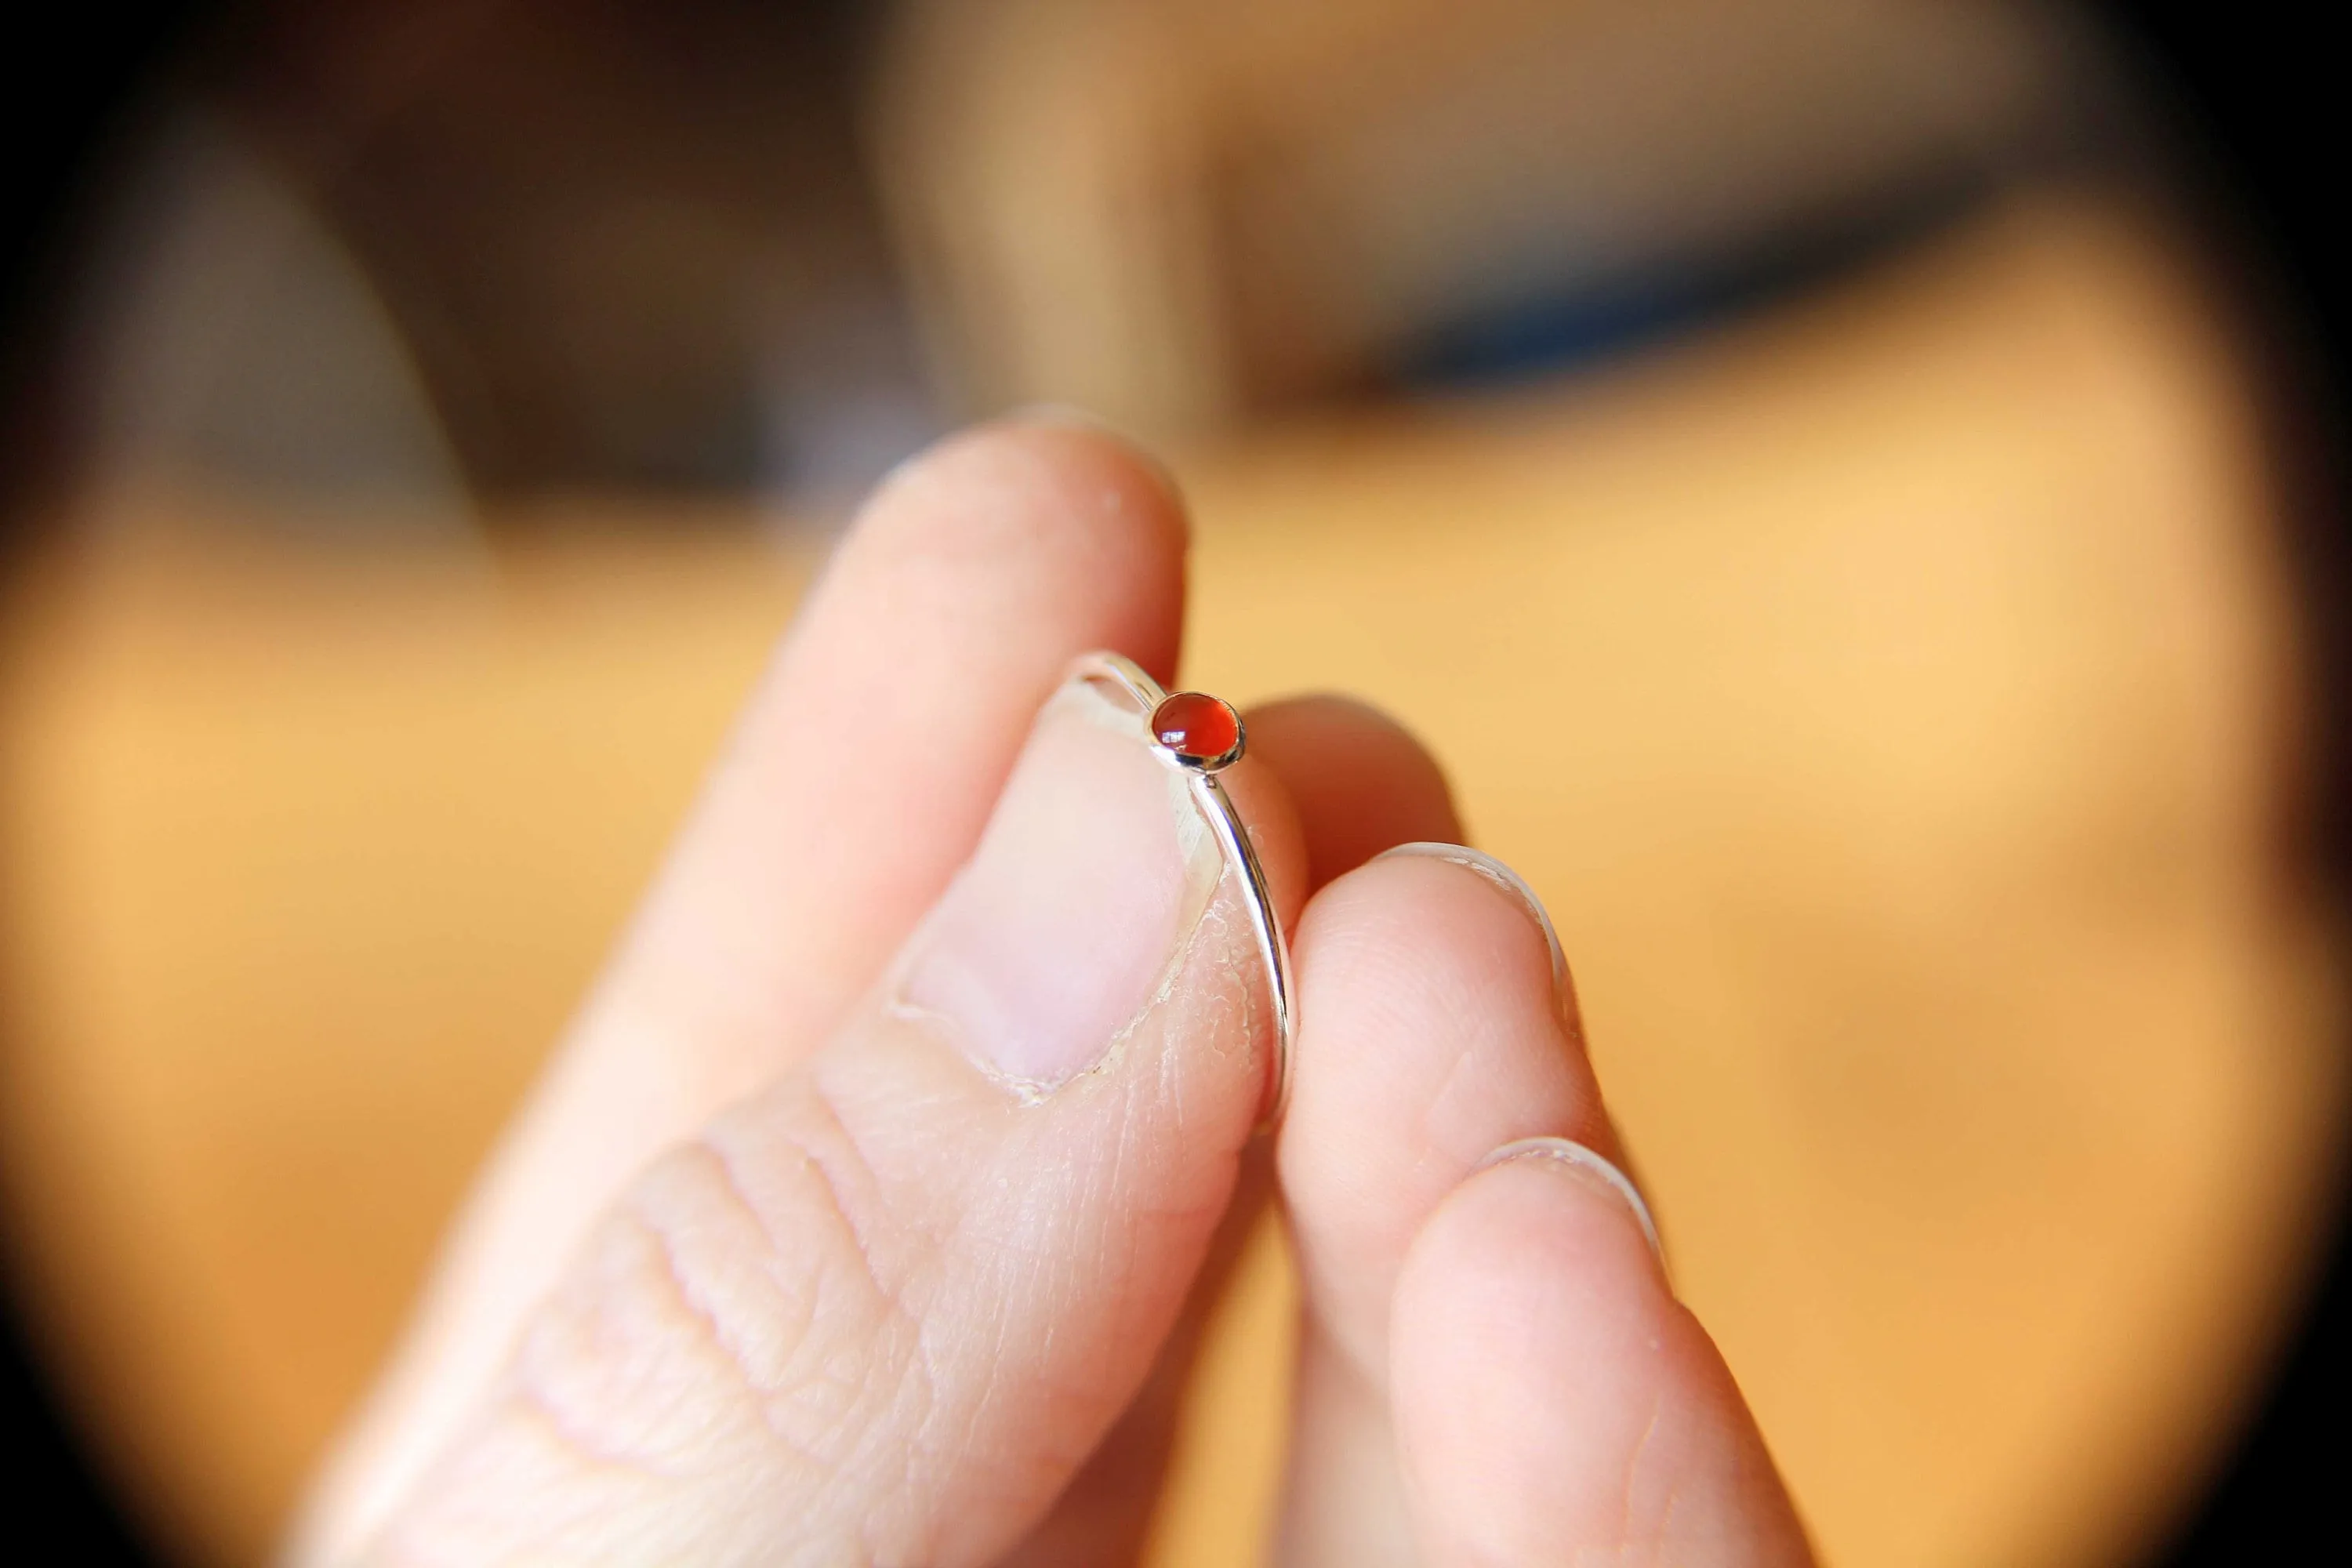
(885, 1309)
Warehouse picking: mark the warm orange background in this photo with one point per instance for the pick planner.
(1894, 701)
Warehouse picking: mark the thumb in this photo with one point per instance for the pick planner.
(884, 1308)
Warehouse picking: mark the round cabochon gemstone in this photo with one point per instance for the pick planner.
(1198, 728)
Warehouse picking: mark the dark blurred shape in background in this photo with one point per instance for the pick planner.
(535, 247)
(547, 245)
(1889, 441)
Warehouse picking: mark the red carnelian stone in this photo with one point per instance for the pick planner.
(1196, 726)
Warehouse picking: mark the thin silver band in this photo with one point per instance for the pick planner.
(1232, 837)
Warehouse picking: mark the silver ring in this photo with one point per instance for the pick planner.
(1201, 736)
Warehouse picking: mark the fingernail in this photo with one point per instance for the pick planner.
(1587, 1166)
(1511, 882)
(1067, 923)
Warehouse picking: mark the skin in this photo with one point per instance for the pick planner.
(869, 1212)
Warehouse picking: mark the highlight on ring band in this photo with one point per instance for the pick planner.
(1201, 736)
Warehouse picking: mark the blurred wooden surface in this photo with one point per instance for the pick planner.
(1893, 699)
(1180, 214)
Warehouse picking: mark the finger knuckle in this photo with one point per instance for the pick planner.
(740, 1312)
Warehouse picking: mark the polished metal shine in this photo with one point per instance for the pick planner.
(1232, 837)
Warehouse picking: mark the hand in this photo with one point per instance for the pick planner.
(864, 1216)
